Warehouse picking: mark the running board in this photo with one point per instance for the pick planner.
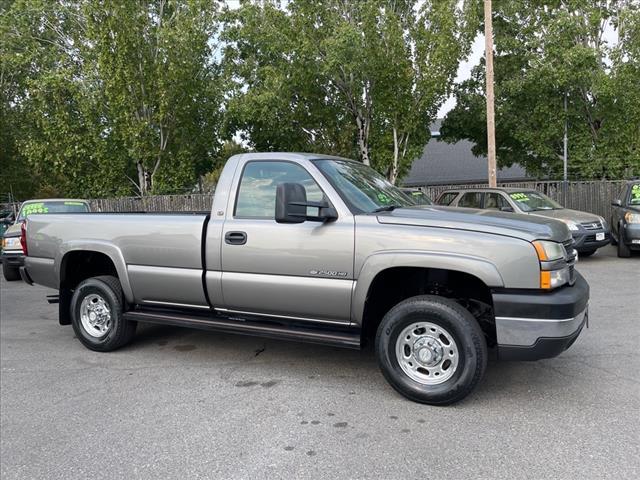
(338, 337)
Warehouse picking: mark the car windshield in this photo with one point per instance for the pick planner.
(634, 195)
(29, 208)
(419, 197)
(531, 201)
(361, 187)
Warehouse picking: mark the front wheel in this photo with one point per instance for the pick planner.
(431, 350)
(96, 314)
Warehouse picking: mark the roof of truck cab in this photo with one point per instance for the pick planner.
(289, 156)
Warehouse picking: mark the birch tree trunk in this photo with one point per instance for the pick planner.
(363, 140)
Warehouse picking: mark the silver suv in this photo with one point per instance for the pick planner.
(589, 231)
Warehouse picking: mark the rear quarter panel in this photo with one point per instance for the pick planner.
(157, 256)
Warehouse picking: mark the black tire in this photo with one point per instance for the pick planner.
(11, 274)
(623, 250)
(459, 323)
(587, 253)
(120, 331)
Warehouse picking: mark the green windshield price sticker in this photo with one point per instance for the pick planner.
(520, 197)
(635, 191)
(383, 198)
(77, 204)
(32, 208)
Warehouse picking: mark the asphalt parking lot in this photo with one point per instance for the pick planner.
(180, 403)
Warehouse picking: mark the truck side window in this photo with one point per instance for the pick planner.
(257, 192)
(471, 200)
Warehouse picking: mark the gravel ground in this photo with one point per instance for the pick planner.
(180, 403)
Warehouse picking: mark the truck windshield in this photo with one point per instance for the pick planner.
(531, 201)
(361, 187)
(29, 208)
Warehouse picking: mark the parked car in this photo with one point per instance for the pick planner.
(7, 217)
(418, 196)
(625, 220)
(322, 249)
(589, 231)
(12, 256)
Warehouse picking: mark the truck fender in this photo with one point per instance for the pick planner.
(378, 262)
(108, 249)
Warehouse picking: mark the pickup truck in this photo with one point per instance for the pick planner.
(322, 249)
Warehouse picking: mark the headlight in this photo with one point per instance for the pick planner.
(632, 217)
(573, 226)
(554, 278)
(11, 243)
(549, 251)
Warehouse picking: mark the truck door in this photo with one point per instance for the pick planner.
(303, 271)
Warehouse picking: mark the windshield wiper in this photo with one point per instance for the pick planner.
(386, 208)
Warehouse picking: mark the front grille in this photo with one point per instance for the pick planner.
(597, 225)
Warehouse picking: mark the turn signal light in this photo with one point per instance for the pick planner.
(545, 280)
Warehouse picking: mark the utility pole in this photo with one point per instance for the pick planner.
(565, 140)
(491, 127)
(565, 153)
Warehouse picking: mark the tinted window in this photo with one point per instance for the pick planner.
(494, 201)
(447, 198)
(257, 193)
(471, 200)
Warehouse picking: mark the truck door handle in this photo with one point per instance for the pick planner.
(235, 238)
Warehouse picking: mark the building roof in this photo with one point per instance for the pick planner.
(444, 163)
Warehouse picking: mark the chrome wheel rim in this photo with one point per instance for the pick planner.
(95, 315)
(427, 353)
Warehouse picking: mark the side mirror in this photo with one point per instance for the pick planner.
(506, 209)
(292, 204)
(616, 203)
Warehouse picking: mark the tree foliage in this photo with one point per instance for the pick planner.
(108, 98)
(544, 51)
(358, 79)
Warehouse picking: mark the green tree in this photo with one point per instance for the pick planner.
(154, 60)
(108, 98)
(546, 51)
(344, 77)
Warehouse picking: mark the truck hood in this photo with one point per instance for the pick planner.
(526, 227)
(567, 214)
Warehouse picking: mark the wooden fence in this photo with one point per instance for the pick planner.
(154, 203)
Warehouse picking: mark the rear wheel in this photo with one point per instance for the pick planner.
(431, 350)
(96, 314)
(11, 274)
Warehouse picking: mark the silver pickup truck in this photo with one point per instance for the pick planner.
(322, 249)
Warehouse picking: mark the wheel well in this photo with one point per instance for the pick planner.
(76, 267)
(393, 285)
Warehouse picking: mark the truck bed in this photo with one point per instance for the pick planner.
(158, 249)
